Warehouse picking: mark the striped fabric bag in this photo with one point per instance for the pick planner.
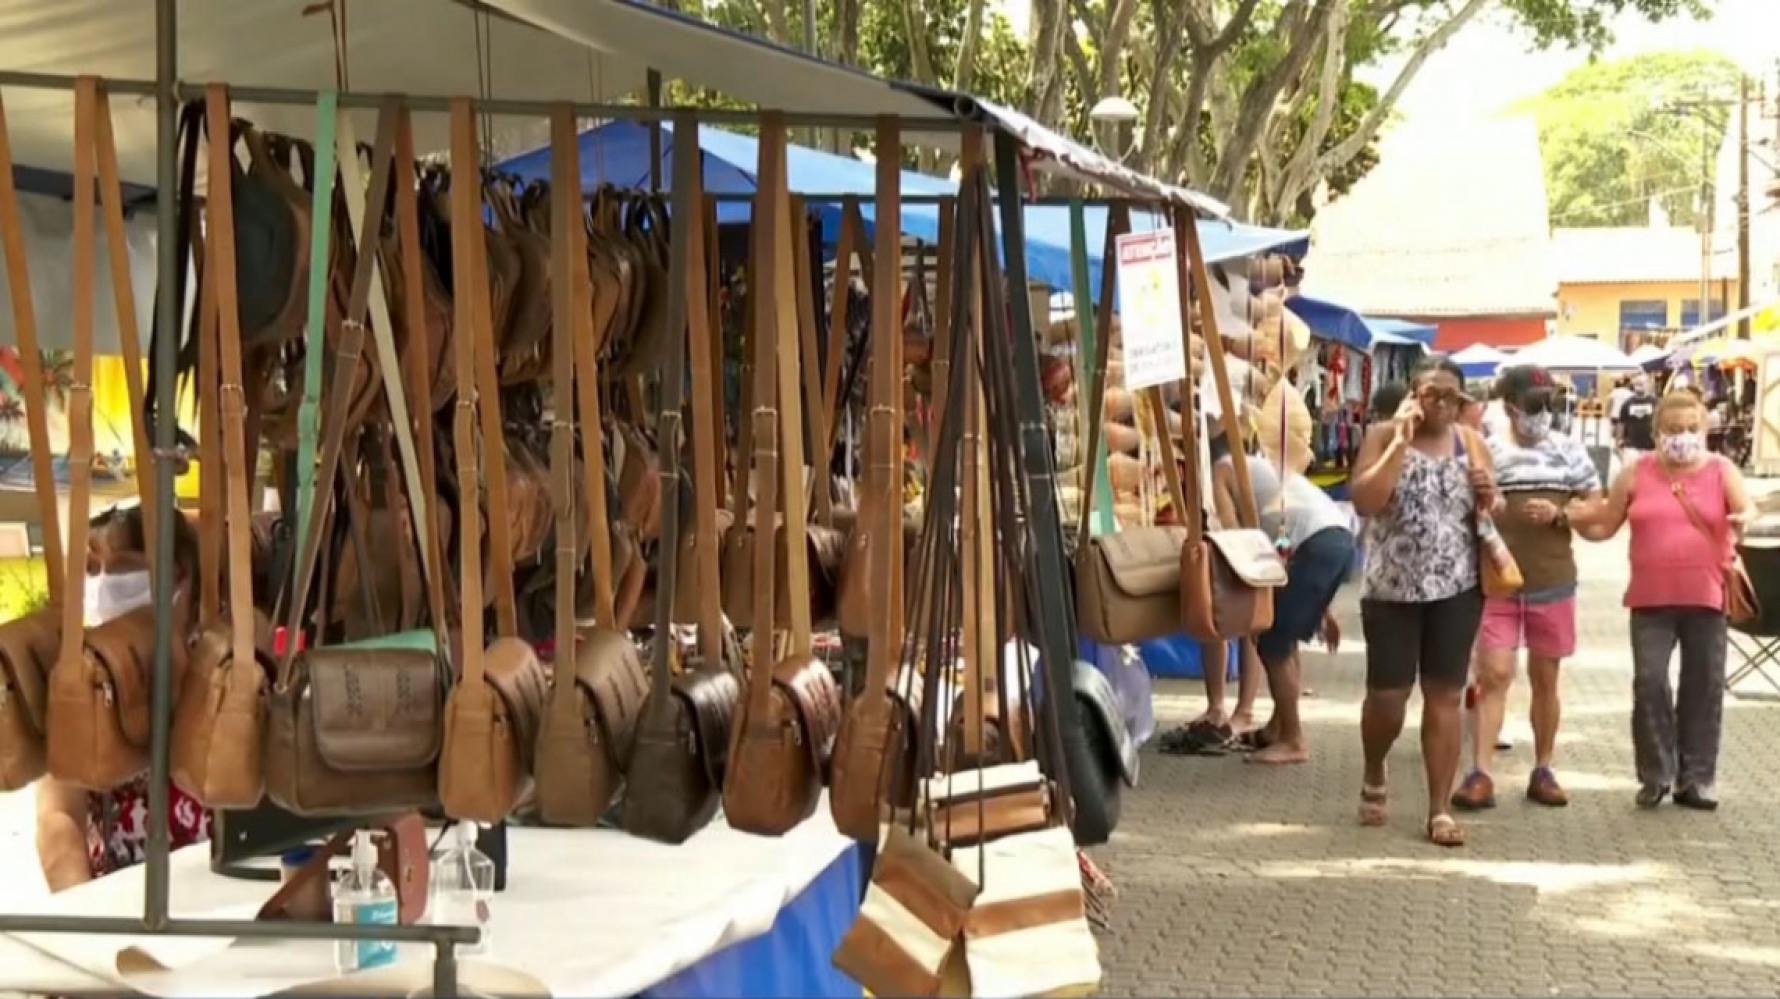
(1027, 933)
(905, 940)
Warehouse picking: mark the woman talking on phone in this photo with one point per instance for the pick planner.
(1419, 491)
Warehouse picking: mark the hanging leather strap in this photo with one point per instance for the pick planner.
(702, 331)
(786, 349)
(372, 203)
(419, 360)
(129, 335)
(943, 292)
(212, 470)
(590, 316)
(1118, 222)
(883, 478)
(24, 323)
(494, 439)
(1191, 256)
(805, 298)
(769, 218)
(568, 272)
(327, 116)
(715, 415)
(80, 393)
(474, 324)
(687, 195)
(839, 303)
(231, 399)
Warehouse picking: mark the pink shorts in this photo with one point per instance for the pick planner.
(1544, 629)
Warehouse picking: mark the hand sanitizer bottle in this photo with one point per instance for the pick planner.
(462, 885)
(364, 895)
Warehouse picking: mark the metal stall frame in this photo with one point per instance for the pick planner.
(1055, 608)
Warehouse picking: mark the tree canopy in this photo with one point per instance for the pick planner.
(1617, 136)
(1254, 101)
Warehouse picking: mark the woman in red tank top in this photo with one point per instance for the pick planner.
(1686, 507)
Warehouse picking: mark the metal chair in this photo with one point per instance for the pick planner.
(1757, 643)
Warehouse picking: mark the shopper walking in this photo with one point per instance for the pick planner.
(1538, 471)
(1685, 506)
(1421, 605)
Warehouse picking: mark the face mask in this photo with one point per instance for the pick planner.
(1683, 447)
(111, 595)
(1533, 426)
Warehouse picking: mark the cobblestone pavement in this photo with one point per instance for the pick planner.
(1243, 880)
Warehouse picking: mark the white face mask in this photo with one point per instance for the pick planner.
(111, 595)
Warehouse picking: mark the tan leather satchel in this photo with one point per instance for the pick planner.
(1227, 576)
(29, 644)
(1127, 584)
(494, 712)
(99, 711)
(780, 743)
(589, 720)
(675, 770)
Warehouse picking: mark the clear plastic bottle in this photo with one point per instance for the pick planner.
(364, 895)
(462, 887)
(1493, 545)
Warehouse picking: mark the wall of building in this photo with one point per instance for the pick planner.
(1455, 333)
(1596, 309)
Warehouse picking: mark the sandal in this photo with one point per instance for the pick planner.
(1254, 740)
(1374, 806)
(1200, 738)
(1443, 831)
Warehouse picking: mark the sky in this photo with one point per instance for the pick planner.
(1491, 64)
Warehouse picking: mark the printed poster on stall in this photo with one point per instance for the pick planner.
(1149, 310)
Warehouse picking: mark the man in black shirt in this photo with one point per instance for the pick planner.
(1633, 428)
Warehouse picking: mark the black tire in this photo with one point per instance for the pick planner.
(1094, 779)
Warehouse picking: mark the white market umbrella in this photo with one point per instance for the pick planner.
(1573, 353)
(1479, 360)
(1649, 354)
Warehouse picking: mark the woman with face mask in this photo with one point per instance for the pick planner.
(1538, 470)
(1417, 486)
(1686, 507)
(81, 834)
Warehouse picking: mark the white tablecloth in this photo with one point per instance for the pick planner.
(586, 913)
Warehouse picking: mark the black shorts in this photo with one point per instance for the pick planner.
(1431, 641)
(1315, 573)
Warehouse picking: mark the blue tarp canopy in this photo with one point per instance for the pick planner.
(617, 153)
(1333, 321)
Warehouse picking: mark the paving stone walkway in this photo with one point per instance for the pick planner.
(1242, 880)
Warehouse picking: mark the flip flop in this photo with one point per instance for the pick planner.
(1253, 740)
(1198, 738)
(1374, 806)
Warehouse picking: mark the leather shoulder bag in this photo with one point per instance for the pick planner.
(1228, 575)
(781, 741)
(676, 770)
(29, 644)
(493, 715)
(99, 710)
(219, 720)
(589, 720)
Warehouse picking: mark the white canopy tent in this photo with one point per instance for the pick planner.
(1572, 353)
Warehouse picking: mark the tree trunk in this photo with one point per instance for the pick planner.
(964, 73)
(1302, 25)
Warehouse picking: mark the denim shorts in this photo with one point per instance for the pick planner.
(1314, 574)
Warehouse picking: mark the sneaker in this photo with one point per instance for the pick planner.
(1652, 795)
(1476, 793)
(1543, 788)
(1698, 798)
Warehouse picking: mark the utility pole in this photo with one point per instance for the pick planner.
(1743, 209)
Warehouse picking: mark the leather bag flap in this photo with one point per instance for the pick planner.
(710, 698)
(376, 708)
(1144, 561)
(610, 674)
(124, 648)
(510, 666)
(1250, 555)
(817, 698)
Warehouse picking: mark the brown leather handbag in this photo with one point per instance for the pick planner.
(676, 769)
(98, 706)
(780, 743)
(29, 644)
(1227, 576)
(219, 719)
(494, 712)
(589, 721)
